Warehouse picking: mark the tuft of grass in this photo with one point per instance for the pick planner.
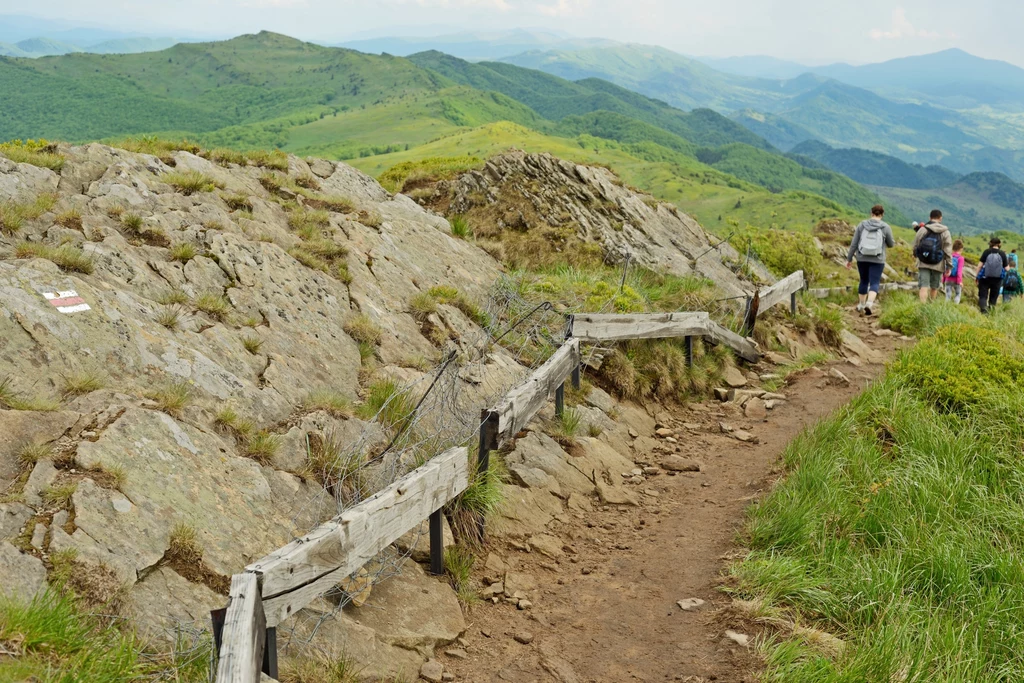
(229, 420)
(31, 453)
(568, 424)
(261, 447)
(321, 668)
(639, 370)
(213, 305)
(458, 568)
(330, 462)
(343, 274)
(59, 497)
(183, 252)
(479, 501)
(363, 330)
(35, 152)
(56, 638)
(173, 397)
(331, 203)
(460, 227)
(453, 297)
(307, 181)
(68, 258)
(273, 159)
(388, 403)
(132, 223)
(422, 306)
(169, 317)
(183, 545)
(309, 259)
(594, 430)
(412, 174)
(252, 344)
(308, 221)
(175, 297)
(71, 219)
(237, 202)
(332, 402)
(81, 383)
(370, 219)
(904, 313)
(15, 400)
(190, 182)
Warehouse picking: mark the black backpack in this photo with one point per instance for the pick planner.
(929, 250)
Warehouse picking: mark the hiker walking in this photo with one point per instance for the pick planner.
(1012, 284)
(990, 275)
(868, 246)
(933, 248)
(954, 279)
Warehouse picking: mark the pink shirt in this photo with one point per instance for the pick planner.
(959, 278)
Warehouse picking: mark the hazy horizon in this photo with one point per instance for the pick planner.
(795, 30)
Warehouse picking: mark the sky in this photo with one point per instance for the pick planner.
(810, 31)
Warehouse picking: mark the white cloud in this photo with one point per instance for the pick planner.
(562, 8)
(902, 28)
(273, 3)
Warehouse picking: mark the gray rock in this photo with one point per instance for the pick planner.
(163, 602)
(740, 639)
(21, 427)
(524, 637)
(837, 375)
(734, 378)
(43, 475)
(534, 478)
(24, 575)
(744, 436)
(615, 495)
(432, 671)
(755, 409)
(38, 536)
(690, 604)
(674, 463)
(13, 517)
(546, 544)
(601, 399)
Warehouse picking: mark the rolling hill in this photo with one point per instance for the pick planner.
(474, 46)
(977, 203)
(873, 168)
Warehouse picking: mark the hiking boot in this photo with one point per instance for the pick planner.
(860, 308)
(870, 308)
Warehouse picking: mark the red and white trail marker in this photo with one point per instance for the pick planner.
(67, 301)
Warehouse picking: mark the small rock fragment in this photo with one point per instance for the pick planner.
(755, 409)
(734, 378)
(432, 671)
(457, 653)
(674, 463)
(690, 604)
(835, 374)
(741, 639)
(524, 637)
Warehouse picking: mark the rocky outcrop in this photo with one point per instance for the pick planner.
(133, 312)
(600, 209)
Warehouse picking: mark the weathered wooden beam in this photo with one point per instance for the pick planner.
(607, 327)
(743, 348)
(309, 566)
(244, 634)
(521, 404)
(781, 290)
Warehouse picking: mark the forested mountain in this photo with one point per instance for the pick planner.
(874, 168)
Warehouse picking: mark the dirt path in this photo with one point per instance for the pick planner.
(607, 610)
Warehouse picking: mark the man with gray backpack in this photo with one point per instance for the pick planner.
(990, 275)
(933, 248)
(869, 243)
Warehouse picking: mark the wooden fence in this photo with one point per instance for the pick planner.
(278, 585)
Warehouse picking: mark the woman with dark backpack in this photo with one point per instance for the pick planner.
(869, 243)
(990, 275)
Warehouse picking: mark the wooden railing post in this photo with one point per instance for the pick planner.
(244, 634)
(576, 379)
(689, 351)
(560, 400)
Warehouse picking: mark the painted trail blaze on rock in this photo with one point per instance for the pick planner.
(67, 301)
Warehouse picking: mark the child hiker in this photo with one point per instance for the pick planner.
(1012, 283)
(954, 279)
(990, 275)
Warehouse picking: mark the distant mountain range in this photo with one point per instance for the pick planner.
(475, 46)
(48, 47)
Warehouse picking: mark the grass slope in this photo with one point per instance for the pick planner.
(897, 528)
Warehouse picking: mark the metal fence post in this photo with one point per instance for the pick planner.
(270, 653)
(792, 303)
(560, 400)
(436, 543)
(689, 351)
(488, 443)
(576, 377)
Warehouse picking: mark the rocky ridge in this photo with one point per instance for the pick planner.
(100, 468)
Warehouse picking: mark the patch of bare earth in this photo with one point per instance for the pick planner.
(605, 609)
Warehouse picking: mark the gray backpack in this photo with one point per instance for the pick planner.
(872, 242)
(994, 265)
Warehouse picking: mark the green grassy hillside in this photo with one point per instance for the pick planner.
(874, 168)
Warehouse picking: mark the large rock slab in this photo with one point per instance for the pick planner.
(164, 603)
(177, 473)
(21, 427)
(24, 576)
